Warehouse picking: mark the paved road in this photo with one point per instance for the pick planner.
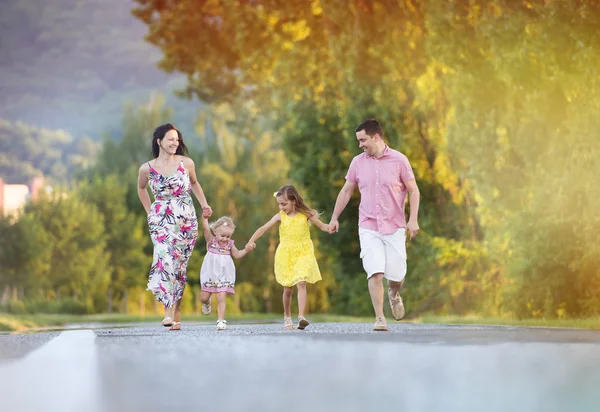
(328, 367)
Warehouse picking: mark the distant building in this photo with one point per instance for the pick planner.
(14, 197)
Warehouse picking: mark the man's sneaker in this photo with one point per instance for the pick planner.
(221, 324)
(380, 325)
(302, 323)
(396, 304)
(288, 324)
(207, 307)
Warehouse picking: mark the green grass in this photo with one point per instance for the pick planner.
(9, 322)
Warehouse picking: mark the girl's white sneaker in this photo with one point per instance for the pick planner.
(221, 324)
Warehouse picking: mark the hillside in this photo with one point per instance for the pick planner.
(73, 64)
(27, 151)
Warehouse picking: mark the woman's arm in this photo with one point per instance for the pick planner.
(143, 177)
(261, 231)
(196, 187)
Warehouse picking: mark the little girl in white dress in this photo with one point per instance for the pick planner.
(217, 274)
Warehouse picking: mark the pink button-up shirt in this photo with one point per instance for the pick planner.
(382, 193)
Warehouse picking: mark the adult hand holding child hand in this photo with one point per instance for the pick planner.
(333, 226)
(206, 211)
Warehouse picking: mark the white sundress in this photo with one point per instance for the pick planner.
(218, 270)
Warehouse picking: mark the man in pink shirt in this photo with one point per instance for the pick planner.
(383, 177)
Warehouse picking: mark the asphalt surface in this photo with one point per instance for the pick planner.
(18, 345)
(328, 367)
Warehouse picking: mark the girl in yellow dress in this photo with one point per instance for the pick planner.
(295, 262)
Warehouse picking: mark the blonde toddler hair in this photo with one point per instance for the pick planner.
(222, 221)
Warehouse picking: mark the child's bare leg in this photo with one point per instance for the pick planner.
(301, 298)
(287, 301)
(221, 305)
(205, 299)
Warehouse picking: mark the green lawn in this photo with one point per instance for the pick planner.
(9, 322)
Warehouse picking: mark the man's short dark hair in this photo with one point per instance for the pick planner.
(371, 127)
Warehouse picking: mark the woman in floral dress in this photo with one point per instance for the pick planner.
(171, 217)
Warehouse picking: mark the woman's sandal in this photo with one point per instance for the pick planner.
(175, 326)
(167, 321)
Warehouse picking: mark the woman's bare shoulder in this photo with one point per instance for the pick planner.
(145, 167)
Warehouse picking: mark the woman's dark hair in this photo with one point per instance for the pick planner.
(159, 134)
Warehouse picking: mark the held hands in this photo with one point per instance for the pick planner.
(250, 246)
(206, 211)
(333, 226)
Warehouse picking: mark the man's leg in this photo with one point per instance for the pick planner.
(376, 292)
(372, 253)
(395, 287)
(395, 270)
(396, 303)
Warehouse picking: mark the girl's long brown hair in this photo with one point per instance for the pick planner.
(292, 194)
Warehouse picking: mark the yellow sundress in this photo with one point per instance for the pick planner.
(295, 256)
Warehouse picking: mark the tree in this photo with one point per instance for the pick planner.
(27, 151)
(522, 77)
(125, 234)
(317, 69)
(123, 156)
(77, 264)
(240, 169)
(24, 252)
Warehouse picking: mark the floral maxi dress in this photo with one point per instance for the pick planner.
(174, 230)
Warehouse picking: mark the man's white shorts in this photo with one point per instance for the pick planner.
(383, 253)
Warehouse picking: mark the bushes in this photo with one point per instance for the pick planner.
(15, 307)
(67, 306)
